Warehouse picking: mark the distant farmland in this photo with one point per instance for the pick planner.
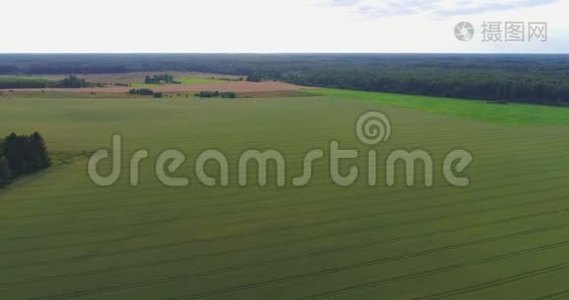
(121, 83)
(22, 82)
(506, 236)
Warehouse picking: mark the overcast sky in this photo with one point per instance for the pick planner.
(272, 25)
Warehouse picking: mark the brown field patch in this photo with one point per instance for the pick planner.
(229, 86)
(132, 77)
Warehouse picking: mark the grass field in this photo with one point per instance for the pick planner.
(11, 78)
(4, 79)
(504, 237)
(186, 79)
(197, 80)
(513, 113)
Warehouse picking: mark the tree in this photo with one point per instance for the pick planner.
(14, 152)
(40, 151)
(5, 173)
(72, 82)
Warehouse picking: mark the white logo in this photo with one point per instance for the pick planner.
(373, 128)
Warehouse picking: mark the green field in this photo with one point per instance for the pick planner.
(197, 80)
(512, 113)
(504, 237)
(6, 78)
(183, 80)
(22, 81)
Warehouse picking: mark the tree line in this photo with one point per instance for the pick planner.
(450, 84)
(22, 83)
(21, 155)
(146, 92)
(216, 94)
(39, 83)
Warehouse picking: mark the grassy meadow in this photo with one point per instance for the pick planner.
(185, 79)
(197, 80)
(23, 81)
(506, 236)
(10, 78)
(512, 113)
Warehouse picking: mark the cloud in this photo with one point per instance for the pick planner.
(436, 8)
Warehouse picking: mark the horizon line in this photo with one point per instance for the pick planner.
(285, 53)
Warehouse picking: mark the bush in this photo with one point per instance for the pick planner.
(228, 95)
(207, 94)
(143, 92)
(158, 95)
(210, 94)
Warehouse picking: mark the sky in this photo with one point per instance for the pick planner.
(269, 26)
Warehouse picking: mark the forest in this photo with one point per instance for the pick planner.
(540, 79)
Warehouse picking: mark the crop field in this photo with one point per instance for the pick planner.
(197, 80)
(138, 77)
(23, 81)
(185, 88)
(185, 79)
(7, 78)
(506, 236)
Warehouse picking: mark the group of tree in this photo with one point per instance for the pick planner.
(143, 92)
(160, 79)
(146, 92)
(228, 79)
(40, 83)
(216, 94)
(74, 82)
(21, 155)
(18, 82)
